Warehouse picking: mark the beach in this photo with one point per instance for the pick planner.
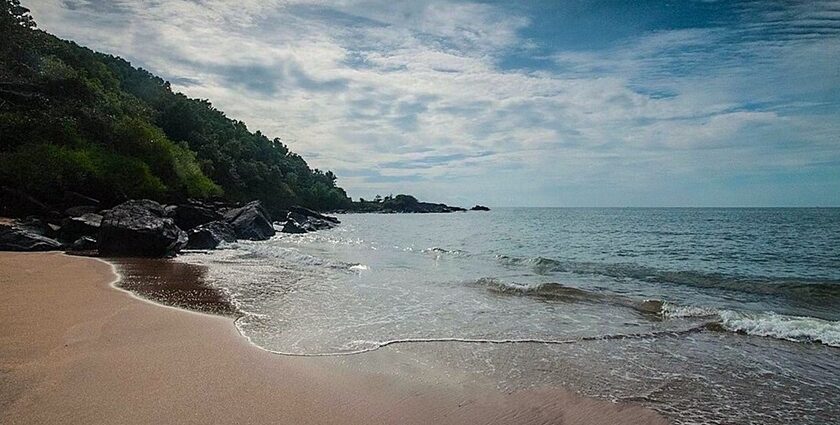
(75, 349)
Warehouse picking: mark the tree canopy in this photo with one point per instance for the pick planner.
(74, 119)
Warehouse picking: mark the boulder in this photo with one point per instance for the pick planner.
(85, 243)
(306, 212)
(38, 226)
(251, 222)
(479, 208)
(14, 238)
(81, 210)
(188, 216)
(139, 228)
(210, 235)
(292, 226)
(309, 224)
(73, 228)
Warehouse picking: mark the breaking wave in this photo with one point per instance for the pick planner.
(765, 324)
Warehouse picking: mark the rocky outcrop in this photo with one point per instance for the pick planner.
(479, 208)
(251, 222)
(402, 204)
(13, 238)
(293, 227)
(139, 228)
(210, 235)
(306, 212)
(73, 228)
(302, 220)
(188, 216)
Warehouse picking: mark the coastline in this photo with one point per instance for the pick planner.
(75, 348)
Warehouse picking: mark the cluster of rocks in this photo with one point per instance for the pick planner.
(146, 228)
(480, 208)
(302, 220)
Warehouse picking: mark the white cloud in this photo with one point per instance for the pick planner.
(373, 87)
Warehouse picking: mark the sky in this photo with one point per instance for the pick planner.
(529, 103)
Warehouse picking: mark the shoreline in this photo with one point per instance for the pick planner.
(78, 348)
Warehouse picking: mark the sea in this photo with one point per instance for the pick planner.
(710, 316)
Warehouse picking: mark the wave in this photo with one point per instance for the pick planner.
(560, 292)
(438, 250)
(818, 292)
(766, 324)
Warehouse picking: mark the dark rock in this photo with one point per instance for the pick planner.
(306, 212)
(38, 226)
(81, 210)
(73, 199)
(188, 216)
(73, 228)
(14, 238)
(14, 203)
(307, 223)
(210, 235)
(292, 226)
(139, 228)
(85, 243)
(251, 221)
(479, 208)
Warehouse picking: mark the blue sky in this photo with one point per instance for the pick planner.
(538, 103)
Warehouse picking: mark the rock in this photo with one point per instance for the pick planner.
(292, 226)
(306, 212)
(73, 199)
(188, 216)
(310, 224)
(14, 203)
(38, 226)
(479, 208)
(81, 210)
(20, 239)
(139, 228)
(73, 228)
(251, 222)
(85, 243)
(210, 235)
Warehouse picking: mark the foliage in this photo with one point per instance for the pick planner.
(95, 119)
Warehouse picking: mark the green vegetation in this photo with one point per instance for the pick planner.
(73, 119)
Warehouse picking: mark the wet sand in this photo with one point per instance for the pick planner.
(76, 350)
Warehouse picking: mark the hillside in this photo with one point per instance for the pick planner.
(72, 119)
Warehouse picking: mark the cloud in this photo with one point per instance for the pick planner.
(435, 97)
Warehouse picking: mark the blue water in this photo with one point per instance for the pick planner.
(708, 315)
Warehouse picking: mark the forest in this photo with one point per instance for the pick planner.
(72, 119)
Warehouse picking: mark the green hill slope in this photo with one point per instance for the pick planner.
(73, 119)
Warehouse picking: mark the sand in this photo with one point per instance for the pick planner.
(76, 350)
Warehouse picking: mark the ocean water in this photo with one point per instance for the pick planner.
(707, 315)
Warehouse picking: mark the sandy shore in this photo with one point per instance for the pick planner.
(76, 350)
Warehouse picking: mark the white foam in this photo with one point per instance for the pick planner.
(766, 324)
(791, 328)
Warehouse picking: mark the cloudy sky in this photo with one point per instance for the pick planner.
(531, 103)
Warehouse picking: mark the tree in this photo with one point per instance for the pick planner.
(13, 14)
